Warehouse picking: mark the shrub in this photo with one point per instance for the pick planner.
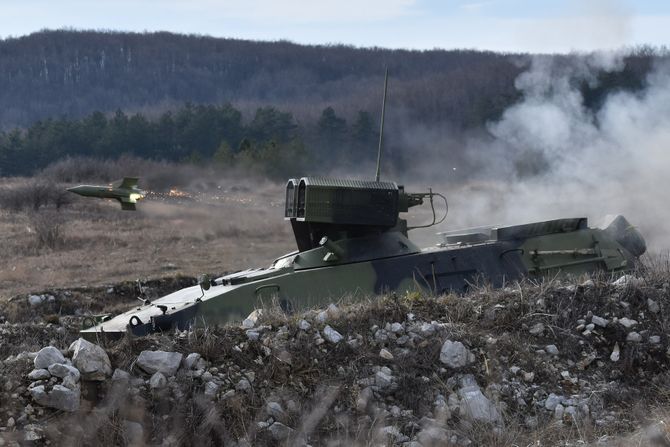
(47, 227)
(33, 195)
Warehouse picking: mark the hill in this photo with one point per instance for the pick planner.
(72, 73)
(185, 97)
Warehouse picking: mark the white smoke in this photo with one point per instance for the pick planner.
(552, 156)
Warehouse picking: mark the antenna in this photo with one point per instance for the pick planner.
(381, 127)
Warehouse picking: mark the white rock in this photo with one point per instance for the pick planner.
(191, 360)
(253, 319)
(551, 349)
(120, 375)
(304, 325)
(159, 361)
(599, 321)
(36, 300)
(385, 354)
(552, 401)
(615, 355)
(634, 337)
(275, 410)
(280, 432)
(48, 356)
(628, 280)
(427, 329)
(653, 306)
(655, 339)
(331, 313)
(61, 370)
(455, 354)
(627, 322)
(70, 383)
(39, 374)
(321, 317)
(383, 379)
(253, 335)
(331, 335)
(396, 327)
(157, 381)
(243, 385)
(31, 433)
(475, 406)
(91, 360)
(60, 398)
(40, 395)
(211, 388)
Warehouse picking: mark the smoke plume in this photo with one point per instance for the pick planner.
(551, 156)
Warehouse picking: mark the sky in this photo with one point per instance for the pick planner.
(498, 25)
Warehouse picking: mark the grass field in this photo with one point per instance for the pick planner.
(92, 242)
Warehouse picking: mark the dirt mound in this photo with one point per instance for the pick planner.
(530, 364)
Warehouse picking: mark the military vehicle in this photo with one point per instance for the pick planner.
(352, 242)
(125, 191)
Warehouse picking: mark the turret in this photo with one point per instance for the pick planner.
(319, 207)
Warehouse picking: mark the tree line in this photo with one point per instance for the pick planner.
(198, 98)
(270, 140)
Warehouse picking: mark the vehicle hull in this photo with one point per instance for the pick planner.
(299, 282)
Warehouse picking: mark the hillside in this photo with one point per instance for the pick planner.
(286, 107)
(72, 73)
(549, 364)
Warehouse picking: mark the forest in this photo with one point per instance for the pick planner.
(69, 93)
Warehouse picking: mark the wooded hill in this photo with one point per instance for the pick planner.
(70, 91)
(73, 73)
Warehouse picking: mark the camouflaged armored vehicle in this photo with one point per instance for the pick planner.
(352, 242)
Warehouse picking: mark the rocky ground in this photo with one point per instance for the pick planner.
(549, 364)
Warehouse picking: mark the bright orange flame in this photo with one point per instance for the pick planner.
(134, 197)
(174, 192)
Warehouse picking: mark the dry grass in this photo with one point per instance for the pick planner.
(299, 370)
(231, 226)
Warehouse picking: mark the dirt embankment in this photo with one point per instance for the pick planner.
(542, 364)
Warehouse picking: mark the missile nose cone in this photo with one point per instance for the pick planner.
(77, 190)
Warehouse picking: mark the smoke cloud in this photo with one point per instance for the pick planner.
(550, 156)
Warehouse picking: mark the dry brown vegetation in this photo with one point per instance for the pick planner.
(225, 223)
(86, 255)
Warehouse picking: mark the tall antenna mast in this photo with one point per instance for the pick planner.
(381, 127)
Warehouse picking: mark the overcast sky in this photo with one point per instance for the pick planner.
(501, 25)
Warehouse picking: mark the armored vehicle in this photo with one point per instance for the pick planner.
(352, 242)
